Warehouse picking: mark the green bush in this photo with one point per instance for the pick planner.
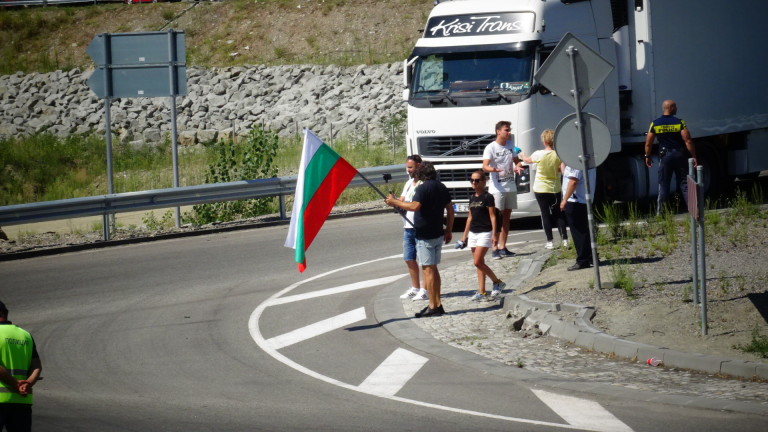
(758, 345)
(253, 159)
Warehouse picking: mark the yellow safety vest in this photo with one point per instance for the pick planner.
(16, 357)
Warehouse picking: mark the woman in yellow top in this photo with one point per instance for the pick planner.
(546, 187)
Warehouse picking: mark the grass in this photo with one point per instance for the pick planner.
(623, 278)
(44, 167)
(758, 345)
(336, 32)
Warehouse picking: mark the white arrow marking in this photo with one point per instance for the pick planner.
(582, 413)
(316, 329)
(253, 328)
(393, 373)
(337, 290)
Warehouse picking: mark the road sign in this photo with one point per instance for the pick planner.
(130, 81)
(143, 64)
(137, 48)
(568, 141)
(556, 74)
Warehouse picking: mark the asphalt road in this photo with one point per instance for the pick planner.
(220, 332)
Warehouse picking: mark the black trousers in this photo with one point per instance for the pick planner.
(578, 222)
(15, 417)
(674, 161)
(549, 204)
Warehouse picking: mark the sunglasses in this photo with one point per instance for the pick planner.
(476, 180)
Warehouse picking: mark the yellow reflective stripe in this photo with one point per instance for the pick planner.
(667, 128)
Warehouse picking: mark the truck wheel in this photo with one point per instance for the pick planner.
(715, 179)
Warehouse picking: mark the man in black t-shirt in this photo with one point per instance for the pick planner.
(429, 203)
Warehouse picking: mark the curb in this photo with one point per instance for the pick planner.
(573, 323)
(389, 314)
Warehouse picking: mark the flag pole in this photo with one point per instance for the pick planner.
(401, 212)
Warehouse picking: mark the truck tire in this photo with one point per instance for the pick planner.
(716, 181)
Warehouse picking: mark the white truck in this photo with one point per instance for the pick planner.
(475, 61)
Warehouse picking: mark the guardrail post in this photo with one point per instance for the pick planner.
(281, 200)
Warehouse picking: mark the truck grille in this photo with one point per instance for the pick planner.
(460, 194)
(463, 174)
(437, 146)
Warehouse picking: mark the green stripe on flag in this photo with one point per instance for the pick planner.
(318, 168)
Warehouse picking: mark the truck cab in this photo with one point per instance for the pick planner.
(474, 66)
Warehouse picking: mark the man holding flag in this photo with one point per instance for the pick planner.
(323, 175)
(430, 201)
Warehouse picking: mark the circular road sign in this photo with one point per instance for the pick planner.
(568, 142)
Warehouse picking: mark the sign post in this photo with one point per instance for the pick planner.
(695, 180)
(574, 72)
(142, 64)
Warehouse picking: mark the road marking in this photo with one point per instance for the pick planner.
(255, 331)
(393, 373)
(317, 329)
(582, 413)
(337, 290)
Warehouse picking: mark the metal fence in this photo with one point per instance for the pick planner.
(178, 197)
(43, 2)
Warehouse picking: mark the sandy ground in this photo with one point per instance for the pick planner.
(660, 311)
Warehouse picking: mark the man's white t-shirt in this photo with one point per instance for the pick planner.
(502, 157)
(580, 193)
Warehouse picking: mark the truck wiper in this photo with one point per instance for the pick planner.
(442, 94)
(496, 94)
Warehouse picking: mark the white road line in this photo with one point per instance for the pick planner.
(253, 328)
(337, 290)
(393, 373)
(582, 413)
(316, 329)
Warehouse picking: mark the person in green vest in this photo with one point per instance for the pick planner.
(20, 369)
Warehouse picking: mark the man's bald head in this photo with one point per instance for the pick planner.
(669, 107)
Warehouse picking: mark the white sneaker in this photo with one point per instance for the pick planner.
(410, 293)
(565, 243)
(549, 245)
(497, 289)
(421, 295)
(479, 297)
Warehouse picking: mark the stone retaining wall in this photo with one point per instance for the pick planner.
(220, 103)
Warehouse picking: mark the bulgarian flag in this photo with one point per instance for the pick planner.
(323, 175)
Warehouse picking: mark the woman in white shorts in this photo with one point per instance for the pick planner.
(480, 234)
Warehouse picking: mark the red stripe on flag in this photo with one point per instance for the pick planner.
(321, 203)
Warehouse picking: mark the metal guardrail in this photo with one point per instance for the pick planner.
(176, 197)
(41, 2)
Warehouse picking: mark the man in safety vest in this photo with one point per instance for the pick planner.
(675, 147)
(20, 368)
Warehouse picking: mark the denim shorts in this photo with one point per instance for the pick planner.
(409, 244)
(429, 251)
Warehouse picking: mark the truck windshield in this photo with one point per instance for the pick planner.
(508, 72)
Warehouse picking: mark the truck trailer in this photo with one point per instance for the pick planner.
(475, 62)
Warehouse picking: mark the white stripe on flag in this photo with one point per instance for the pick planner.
(309, 148)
